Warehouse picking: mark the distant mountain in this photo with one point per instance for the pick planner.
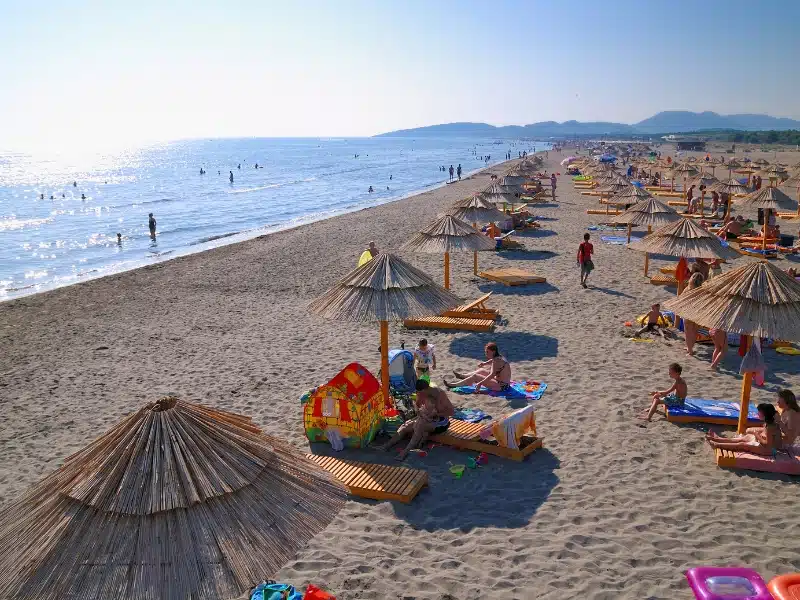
(669, 121)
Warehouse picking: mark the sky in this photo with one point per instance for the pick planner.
(111, 72)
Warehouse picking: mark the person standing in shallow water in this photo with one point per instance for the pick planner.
(230, 178)
(458, 171)
(151, 223)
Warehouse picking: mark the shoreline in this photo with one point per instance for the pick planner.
(228, 239)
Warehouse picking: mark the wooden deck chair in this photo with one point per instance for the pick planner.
(787, 463)
(511, 276)
(677, 203)
(662, 279)
(447, 322)
(607, 211)
(476, 309)
(466, 436)
(668, 194)
(378, 482)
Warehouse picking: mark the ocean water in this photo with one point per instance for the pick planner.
(49, 242)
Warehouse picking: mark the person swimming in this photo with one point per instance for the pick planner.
(119, 239)
(83, 196)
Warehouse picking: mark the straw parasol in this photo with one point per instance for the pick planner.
(775, 172)
(384, 289)
(476, 210)
(496, 193)
(514, 180)
(768, 199)
(761, 162)
(178, 500)
(448, 234)
(757, 300)
(731, 188)
(683, 238)
(648, 212)
(705, 180)
(686, 171)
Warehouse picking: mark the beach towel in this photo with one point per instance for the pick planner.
(269, 590)
(508, 430)
(605, 228)
(617, 240)
(529, 390)
(696, 407)
(470, 415)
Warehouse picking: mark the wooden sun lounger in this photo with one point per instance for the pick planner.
(597, 211)
(786, 215)
(594, 194)
(669, 270)
(511, 276)
(476, 309)
(459, 323)
(677, 203)
(378, 482)
(662, 279)
(465, 436)
(669, 194)
(788, 464)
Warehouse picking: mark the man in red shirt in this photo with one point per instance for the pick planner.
(585, 251)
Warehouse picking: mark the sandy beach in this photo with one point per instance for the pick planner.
(608, 509)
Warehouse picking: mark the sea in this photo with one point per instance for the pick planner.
(60, 213)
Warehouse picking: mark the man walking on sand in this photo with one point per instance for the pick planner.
(585, 251)
(553, 185)
(451, 172)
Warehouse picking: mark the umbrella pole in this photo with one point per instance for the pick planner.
(764, 232)
(629, 233)
(647, 255)
(447, 270)
(744, 408)
(703, 203)
(728, 207)
(385, 362)
(475, 254)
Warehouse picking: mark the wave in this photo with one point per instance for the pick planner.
(257, 189)
(211, 238)
(159, 201)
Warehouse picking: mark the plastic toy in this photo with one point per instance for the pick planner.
(727, 583)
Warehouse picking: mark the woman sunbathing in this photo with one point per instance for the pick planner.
(494, 374)
(765, 440)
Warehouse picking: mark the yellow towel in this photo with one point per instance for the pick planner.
(508, 430)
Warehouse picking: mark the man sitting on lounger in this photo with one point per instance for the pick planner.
(434, 410)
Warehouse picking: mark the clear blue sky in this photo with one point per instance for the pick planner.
(113, 71)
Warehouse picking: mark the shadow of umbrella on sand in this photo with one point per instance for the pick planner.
(476, 210)
(757, 300)
(445, 235)
(384, 289)
(178, 500)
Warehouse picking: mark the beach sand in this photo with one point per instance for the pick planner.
(609, 509)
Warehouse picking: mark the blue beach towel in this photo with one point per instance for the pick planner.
(528, 390)
(470, 415)
(617, 240)
(726, 409)
(605, 228)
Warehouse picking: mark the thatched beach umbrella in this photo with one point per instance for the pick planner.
(517, 180)
(686, 171)
(793, 183)
(768, 199)
(178, 500)
(706, 180)
(476, 210)
(650, 212)
(384, 289)
(445, 235)
(683, 238)
(497, 194)
(775, 173)
(757, 300)
(730, 188)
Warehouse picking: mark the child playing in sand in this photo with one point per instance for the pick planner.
(651, 323)
(424, 359)
(673, 397)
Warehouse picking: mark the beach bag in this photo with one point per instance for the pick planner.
(271, 590)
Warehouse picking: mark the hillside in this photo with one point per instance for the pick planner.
(670, 121)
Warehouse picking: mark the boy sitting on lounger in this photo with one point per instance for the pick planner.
(671, 398)
(651, 322)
